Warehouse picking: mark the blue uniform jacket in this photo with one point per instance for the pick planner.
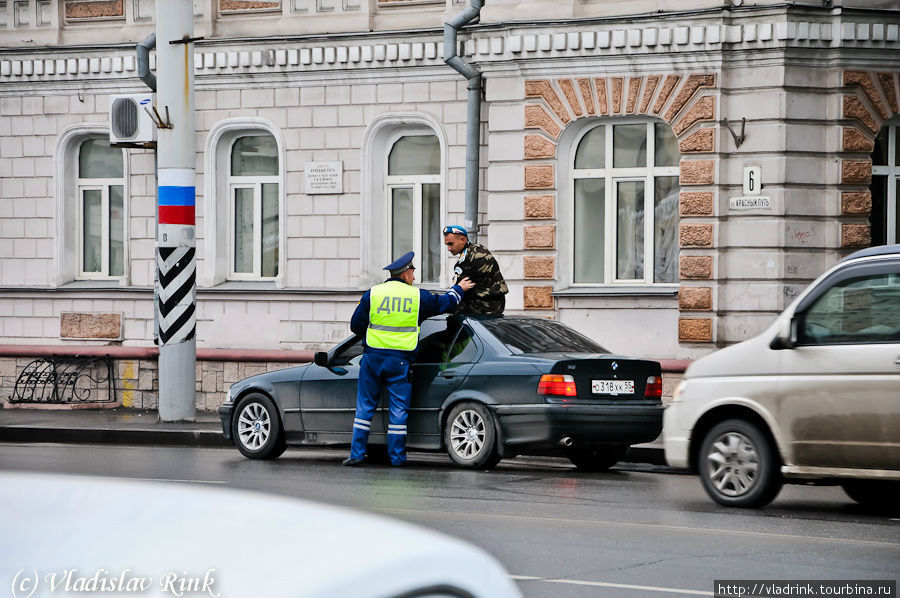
(430, 304)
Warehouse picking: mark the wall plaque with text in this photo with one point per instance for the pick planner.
(754, 202)
(324, 177)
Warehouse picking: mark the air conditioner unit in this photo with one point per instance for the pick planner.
(129, 122)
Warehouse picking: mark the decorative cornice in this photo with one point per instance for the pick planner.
(483, 47)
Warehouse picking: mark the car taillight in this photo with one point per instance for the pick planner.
(653, 390)
(557, 384)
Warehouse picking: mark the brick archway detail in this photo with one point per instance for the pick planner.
(682, 100)
(869, 100)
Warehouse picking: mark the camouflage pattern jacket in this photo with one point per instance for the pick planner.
(489, 294)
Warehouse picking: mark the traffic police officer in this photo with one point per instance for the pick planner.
(388, 317)
(476, 263)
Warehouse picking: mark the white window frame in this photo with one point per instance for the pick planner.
(218, 233)
(103, 185)
(255, 183)
(612, 176)
(378, 140)
(399, 181)
(892, 173)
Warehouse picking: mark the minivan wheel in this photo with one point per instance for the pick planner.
(470, 437)
(598, 458)
(881, 494)
(256, 428)
(738, 465)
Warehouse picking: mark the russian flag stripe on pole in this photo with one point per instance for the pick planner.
(177, 215)
(177, 196)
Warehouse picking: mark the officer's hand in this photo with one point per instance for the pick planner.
(466, 284)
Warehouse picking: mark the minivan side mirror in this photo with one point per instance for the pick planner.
(321, 359)
(786, 338)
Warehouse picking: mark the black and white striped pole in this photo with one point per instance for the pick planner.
(175, 243)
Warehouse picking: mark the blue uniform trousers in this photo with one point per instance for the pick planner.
(391, 372)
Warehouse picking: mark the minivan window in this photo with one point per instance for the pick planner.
(865, 309)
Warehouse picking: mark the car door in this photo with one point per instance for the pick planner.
(840, 384)
(447, 351)
(328, 398)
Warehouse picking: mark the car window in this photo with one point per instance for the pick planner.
(522, 335)
(435, 337)
(865, 309)
(349, 354)
(463, 349)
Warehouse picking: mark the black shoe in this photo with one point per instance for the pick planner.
(350, 461)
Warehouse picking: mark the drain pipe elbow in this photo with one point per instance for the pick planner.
(473, 120)
(143, 61)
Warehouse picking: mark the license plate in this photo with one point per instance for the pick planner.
(612, 387)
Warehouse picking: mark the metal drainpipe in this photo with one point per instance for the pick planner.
(143, 61)
(473, 120)
(143, 68)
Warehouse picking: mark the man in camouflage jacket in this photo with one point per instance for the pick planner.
(476, 263)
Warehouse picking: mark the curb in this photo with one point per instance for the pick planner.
(207, 438)
(141, 436)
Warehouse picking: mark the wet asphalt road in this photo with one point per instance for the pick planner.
(628, 533)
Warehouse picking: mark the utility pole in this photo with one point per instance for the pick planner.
(175, 242)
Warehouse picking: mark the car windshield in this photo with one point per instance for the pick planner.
(540, 336)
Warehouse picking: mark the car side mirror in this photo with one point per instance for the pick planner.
(321, 359)
(786, 338)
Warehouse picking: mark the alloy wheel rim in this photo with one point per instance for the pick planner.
(732, 465)
(467, 434)
(254, 426)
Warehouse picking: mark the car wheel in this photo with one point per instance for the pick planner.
(596, 459)
(470, 437)
(738, 465)
(256, 428)
(881, 494)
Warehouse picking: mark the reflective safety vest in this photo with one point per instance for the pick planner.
(393, 316)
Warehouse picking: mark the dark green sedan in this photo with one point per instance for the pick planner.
(483, 389)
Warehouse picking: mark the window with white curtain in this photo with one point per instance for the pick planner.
(254, 208)
(625, 216)
(413, 189)
(101, 210)
(885, 218)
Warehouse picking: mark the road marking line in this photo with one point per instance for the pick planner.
(649, 526)
(605, 584)
(168, 480)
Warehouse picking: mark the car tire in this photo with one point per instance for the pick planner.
(738, 465)
(470, 437)
(880, 494)
(256, 428)
(597, 459)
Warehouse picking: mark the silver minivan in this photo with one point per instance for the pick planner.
(814, 398)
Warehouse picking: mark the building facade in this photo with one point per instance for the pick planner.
(662, 180)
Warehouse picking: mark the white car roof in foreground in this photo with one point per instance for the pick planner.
(257, 545)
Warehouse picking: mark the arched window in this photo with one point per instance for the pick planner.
(885, 219)
(413, 187)
(101, 210)
(253, 208)
(625, 216)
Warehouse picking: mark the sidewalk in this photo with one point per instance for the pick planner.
(108, 426)
(142, 427)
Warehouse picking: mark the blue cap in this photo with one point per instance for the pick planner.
(456, 229)
(404, 262)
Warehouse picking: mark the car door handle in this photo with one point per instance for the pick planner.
(897, 361)
(448, 375)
